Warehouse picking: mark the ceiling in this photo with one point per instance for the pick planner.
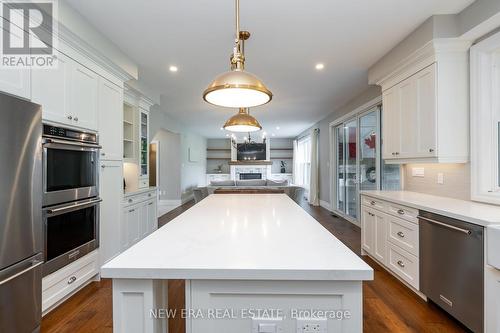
(288, 38)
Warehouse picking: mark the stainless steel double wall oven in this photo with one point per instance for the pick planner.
(70, 195)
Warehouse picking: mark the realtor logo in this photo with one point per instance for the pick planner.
(28, 34)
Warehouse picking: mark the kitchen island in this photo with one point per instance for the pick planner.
(252, 263)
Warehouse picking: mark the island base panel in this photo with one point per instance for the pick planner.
(138, 305)
(214, 306)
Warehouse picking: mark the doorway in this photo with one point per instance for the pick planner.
(154, 164)
(356, 143)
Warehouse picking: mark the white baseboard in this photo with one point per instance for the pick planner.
(325, 205)
(169, 202)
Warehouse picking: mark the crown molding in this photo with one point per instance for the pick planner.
(428, 54)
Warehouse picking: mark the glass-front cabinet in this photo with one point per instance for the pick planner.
(144, 144)
(358, 164)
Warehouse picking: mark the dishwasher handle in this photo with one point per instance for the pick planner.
(465, 231)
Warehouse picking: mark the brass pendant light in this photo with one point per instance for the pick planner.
(242, 122)
(237, 88)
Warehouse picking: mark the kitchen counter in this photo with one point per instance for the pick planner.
(468, 211)
(234, 250)
(226, 237)
(134, 191)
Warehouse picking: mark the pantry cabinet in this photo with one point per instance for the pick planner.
(425, 114)
(110, 120)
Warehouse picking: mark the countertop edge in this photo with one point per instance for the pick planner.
(238, 274)
(465, 218)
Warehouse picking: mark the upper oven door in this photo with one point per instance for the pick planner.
(70, 171)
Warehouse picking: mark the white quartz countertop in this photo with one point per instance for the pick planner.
(241, 236)
(468, 211)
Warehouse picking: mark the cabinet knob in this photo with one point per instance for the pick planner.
(103, 166)
(130, 200)
(76, 118)
(372, 203)
(72, 279)
(401, 234)
(431, 150)
(401, 264)
(131, 210)
(103, 154)
(70, 117)
(401, 212)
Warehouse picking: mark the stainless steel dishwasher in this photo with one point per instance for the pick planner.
(452, 267)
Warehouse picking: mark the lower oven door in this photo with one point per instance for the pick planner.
(70, 171)
(71, 231)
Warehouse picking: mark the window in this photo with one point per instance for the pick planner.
(304, 163)
(485, 120)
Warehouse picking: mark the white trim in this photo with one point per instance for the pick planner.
(325, 205)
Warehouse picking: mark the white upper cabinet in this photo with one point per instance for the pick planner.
(68, 93)
(15, 82)
(50, 89)
(110, 120)
(425, 115)
(83, 100)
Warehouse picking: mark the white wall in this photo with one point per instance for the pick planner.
(169, 185)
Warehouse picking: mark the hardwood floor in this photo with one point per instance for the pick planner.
(388, 305)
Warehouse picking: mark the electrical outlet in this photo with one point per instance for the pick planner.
(418, 172)
(440, 178)
(308, 325)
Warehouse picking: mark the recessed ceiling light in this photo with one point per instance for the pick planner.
(173, 69)
(319, 66)
(278, 128)
(221, 128)
(227, 135)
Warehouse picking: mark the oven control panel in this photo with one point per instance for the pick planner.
(69, 134)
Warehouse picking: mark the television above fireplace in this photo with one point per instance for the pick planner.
(251, 151)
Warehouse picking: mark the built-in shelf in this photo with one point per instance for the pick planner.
(250, 162)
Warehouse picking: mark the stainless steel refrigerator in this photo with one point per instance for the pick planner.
(21, 231)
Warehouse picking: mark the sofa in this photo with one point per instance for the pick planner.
(296, 193)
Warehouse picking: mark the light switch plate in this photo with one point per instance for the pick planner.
(309, 325)
(265, 325)
(418, 172)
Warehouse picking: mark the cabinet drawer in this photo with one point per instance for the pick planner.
(143, 183)
(61, 283)
(407, 213)
(403, 234)
(404, 264)
(132, 200)
(374, 203)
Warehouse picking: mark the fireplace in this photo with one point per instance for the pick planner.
(250, 176)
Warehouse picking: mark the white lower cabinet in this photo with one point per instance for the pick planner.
(58, 286)
(374, 233)
(492, 300)
(390, 234)
(139, 218)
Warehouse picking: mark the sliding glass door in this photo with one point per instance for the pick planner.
(357, 160)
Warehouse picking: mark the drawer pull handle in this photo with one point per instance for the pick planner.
(72, 279)
(149, 204)
(401, 234)
(130, 200)
(401, 264)
(372, 203)
(70, 117)
(131, 210)
(447, 301)
(465, 231)
(401, 212)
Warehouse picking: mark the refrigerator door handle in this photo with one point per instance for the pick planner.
(35, 263)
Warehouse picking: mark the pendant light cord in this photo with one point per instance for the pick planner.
(237, 21)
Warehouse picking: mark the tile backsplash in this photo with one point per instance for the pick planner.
(447, 180)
